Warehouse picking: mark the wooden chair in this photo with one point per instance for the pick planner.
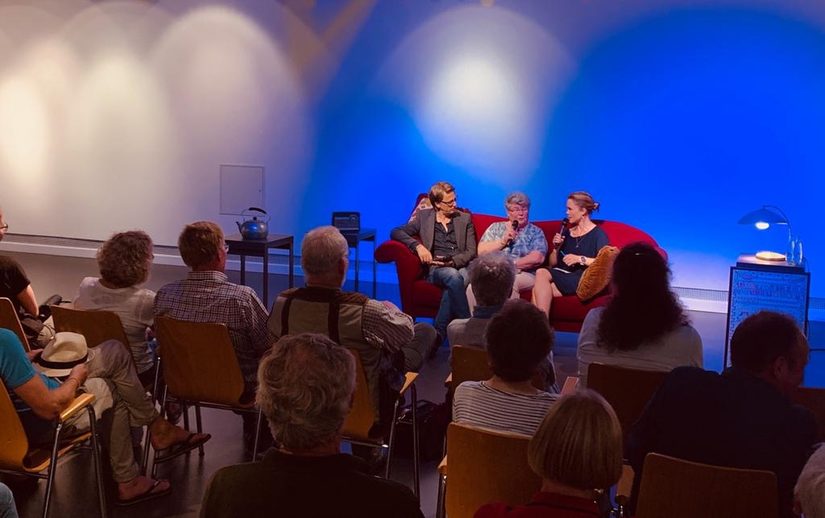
(676, 488)
(96, 326)
(814, 400)
(471, 364)
(484, 466)
(9, 320)
(20, 457)
(627, 390)
(199, 367)
(363, 415)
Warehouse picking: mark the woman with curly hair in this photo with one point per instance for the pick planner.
(643, 326)
(124, 261)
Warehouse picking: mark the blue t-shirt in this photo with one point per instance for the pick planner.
(15, 370)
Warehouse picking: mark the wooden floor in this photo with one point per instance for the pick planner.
(74, 491)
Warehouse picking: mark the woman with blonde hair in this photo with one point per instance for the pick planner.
(577, 451)
(572, 251)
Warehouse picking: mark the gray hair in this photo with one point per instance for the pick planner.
(321, 250)
(517, 198)
(811, 486)
(492, 277)
(305, 387)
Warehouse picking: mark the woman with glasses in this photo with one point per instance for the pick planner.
(574, 249)
(522, 241)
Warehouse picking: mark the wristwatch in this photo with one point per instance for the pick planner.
(583, 260)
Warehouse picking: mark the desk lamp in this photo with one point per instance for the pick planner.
(762, 219)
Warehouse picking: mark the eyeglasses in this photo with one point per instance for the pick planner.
(4, 227)
(518, 209)
(225, 247)
(451, 202)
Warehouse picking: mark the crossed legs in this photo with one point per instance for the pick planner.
(544, 290)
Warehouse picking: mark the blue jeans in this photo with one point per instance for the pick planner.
(7, 508)
(454, 299)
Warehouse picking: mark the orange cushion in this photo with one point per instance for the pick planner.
(597, 276)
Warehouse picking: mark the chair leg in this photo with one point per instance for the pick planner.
(185, 409)
(416, 446)
(156, 383)
(257, 436)
(440, 506)
(52, 467)
(101, 492)
(200, 426)
(391, 441)
(149, 437)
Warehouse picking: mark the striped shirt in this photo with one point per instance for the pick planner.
(476, 403)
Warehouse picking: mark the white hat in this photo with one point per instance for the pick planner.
(61, 354)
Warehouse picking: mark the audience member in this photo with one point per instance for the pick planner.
(306, 385)
(577, 451)
(491, 279)
(7, 506)
(574, 249)
(810, 488)
(742, 418)
(386, 340)
(643, 326)
(206, 295)
(522, 241)
(110, 375)
(124, 261)
(14, 284)
(444, 240)
(519, 340)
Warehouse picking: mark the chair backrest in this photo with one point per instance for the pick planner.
(199, 363)
(96, 326)
(627, 390)
(13, 442)
(469, 364)
(362, 415)
(814, 400)
(9, 320)
(676, 488)
(485, 466)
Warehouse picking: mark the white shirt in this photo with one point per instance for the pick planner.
(682, 346)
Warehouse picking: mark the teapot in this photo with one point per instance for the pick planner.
(253, 227)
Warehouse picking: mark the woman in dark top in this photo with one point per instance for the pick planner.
(577, 452)
(574, 249)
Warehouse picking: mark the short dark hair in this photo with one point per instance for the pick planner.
(519, 338)
(762, 338)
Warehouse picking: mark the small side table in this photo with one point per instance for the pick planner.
(260, 248)
(353, 240)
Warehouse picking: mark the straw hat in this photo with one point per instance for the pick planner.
(61, 354)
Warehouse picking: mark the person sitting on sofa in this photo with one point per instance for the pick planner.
(447, 245)
(577, 451)
(519, 340)
(574, 249)
(643, 326)
(491, 279)
(522, 241)
(124, 261)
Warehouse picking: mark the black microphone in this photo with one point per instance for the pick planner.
(564, 223)
(511, 240)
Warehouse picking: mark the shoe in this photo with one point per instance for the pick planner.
(146, 495)
(191, 442)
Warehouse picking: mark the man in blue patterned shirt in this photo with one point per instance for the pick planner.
(517, 237)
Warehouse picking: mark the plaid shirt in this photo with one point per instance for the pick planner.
(529, 239)
(210, 297)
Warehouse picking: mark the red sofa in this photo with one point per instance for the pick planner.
(420, 298)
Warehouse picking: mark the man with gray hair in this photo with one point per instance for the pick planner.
(387, 342)
(305, 389)
(524, 242)
(491, 279)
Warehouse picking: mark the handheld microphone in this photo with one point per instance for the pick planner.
(564, 223)
(511, 240)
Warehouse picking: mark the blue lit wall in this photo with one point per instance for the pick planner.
(678, 116)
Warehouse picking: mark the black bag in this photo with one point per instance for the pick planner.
(432, 427)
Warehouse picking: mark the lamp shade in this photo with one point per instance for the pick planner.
(764, 217)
